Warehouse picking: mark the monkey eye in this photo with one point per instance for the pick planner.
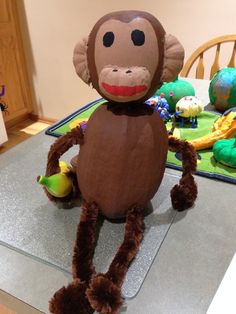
(138, 37)
(108, 39)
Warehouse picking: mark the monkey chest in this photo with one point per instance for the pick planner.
(122, 160)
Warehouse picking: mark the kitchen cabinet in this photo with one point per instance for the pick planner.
(13, 73)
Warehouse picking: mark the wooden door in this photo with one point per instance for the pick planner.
(13, 73)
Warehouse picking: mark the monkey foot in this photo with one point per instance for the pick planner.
(103, 295)
(184, 195)
(71, 300)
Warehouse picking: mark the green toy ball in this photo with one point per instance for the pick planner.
(222, 90)
(174, 91)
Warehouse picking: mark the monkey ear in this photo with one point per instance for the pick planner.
(173, 58)
(80, 60)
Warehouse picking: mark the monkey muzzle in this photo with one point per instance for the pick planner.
(124, 83)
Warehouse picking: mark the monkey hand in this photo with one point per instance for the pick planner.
(60, 187)
(184, 194)
(69, 191)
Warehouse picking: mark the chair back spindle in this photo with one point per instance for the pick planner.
(199, 55)
(215, 66)
(200, 68)
(232, 59)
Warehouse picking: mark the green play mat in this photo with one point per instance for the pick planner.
(207, 165)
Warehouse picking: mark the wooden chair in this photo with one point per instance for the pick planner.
(199, 54)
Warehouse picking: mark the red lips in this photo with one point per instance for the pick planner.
(123, 90)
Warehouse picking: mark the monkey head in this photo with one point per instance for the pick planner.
(127, 56)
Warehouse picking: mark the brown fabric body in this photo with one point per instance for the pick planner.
(122, 160)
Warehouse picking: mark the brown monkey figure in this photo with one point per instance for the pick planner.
(122, 154)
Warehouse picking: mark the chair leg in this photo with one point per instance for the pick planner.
(104, 292)
(72, 299)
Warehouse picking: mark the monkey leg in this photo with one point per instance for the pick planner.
(73, 299)
(184, 194)
(82, 265)
(104, 292)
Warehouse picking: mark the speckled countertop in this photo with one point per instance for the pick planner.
(36, 238)
(32, 224)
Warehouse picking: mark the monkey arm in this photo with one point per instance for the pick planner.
(184, 194)
(62, 145)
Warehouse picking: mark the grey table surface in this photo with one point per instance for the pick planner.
(186, 272)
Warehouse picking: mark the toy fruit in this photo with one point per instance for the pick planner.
(64, 167)
(174, 91)
(223, 128)
(224, 151)
(222, 90)
(59, 184)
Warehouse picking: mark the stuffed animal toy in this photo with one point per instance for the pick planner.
(123, 150)
(188, 107)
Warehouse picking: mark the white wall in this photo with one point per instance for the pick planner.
(52, 27)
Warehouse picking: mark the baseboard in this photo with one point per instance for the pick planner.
(28, 116)
(35, 117)
(11, 123)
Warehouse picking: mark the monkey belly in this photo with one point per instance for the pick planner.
(122, 160)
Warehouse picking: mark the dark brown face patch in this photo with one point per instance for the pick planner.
(125, 56)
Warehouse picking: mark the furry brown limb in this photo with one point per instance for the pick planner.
(184, 194)
(82, 265)
(62, 145)
(72, 299)
(104, 292)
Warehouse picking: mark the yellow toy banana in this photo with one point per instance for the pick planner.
(59, 184)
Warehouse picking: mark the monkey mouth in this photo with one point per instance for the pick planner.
(124, 91)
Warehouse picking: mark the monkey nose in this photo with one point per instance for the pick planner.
(115, 70)
(129, 71)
